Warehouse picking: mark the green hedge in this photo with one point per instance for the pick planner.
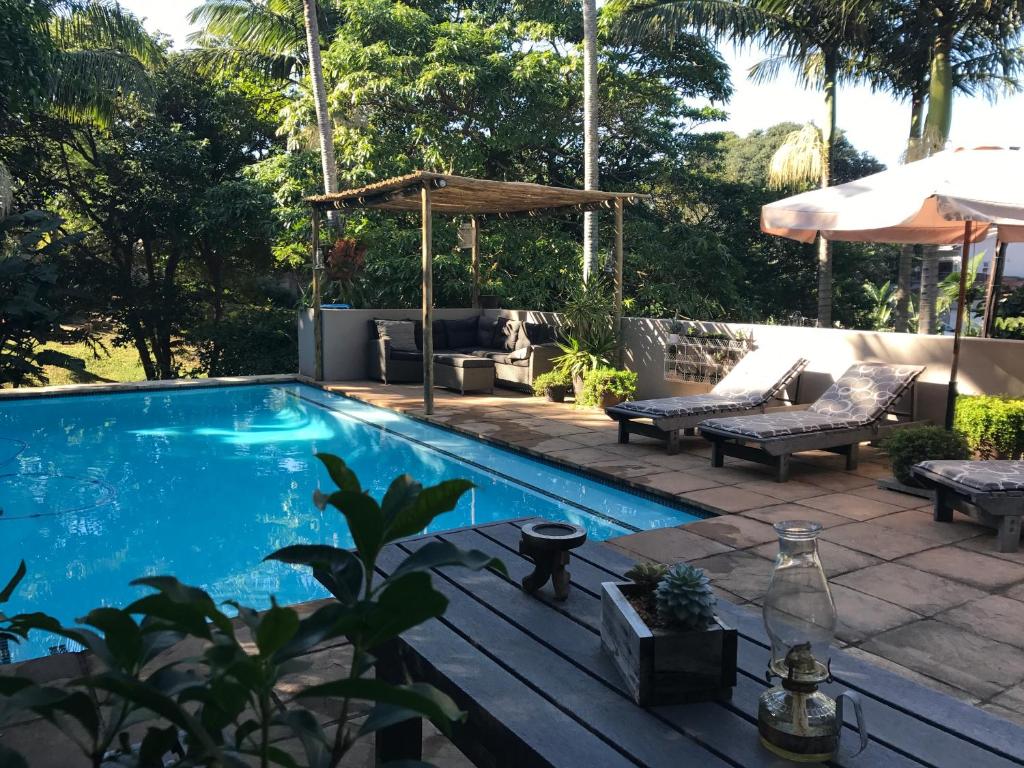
(993, 426)
(906, 447)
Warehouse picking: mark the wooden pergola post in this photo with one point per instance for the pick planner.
(474, 224)
(318, 331)
(618, 280)
(428, 300)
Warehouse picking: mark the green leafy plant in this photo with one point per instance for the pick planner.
(684, 598)
(551, 379)
(579, 357)
(647, 575)
(907, 447)
(883, 303)
(215, 700)
(607, 382)
(993, 426)
(949, 294)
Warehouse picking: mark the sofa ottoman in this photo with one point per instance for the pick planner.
(465, 373)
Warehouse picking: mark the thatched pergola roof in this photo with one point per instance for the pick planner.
(461, 195)
(428, 193)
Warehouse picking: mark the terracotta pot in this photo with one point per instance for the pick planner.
(608, 399)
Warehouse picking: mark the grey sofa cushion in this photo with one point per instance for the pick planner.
(460, 333)
(402, 334)
(457, 360)
(539, 333)
(487, 331)
(402, 354)
(508, 335)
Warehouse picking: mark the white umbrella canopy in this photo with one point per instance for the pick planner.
(955, 196)
(926, 201)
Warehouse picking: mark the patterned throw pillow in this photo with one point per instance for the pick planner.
(402, 334)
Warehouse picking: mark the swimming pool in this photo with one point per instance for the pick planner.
(202, 483)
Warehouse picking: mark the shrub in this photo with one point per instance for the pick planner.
(218, 703)
(555, 378)
(607, 381)
(992, 425)
(247, 341)
(906, 447)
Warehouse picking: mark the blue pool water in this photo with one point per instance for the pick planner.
(203, 483)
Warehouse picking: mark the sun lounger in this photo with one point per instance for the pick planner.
(849, 413)
(758, 378)
(992, 492)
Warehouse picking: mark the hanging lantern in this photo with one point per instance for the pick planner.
(466, 235)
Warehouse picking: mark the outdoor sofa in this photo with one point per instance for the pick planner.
(850, 412)
(992, 492)
(760, 377)
(519, 351)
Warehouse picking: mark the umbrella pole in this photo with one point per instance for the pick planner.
(961, 300)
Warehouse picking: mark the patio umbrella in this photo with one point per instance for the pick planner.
(955, 196)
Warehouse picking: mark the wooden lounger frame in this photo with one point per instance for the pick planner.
(1001, 510)
(776, 451)
(668, 428)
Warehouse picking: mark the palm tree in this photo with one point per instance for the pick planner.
(813, 37)
(265, 36)
(925, 51)
(590, 145)
(99, 52)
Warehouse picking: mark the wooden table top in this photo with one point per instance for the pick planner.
(540, 691)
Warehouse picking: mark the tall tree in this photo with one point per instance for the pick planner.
(815, 38)
(590, 140)
(265, 37)
(925, 51)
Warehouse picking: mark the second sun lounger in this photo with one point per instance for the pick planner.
(758, 378)
(849, 413)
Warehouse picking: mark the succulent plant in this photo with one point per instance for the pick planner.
(647, 575)
(684, 598)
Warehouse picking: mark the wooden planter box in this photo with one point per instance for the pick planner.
(666, 666)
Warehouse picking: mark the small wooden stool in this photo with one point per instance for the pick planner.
(547, 544)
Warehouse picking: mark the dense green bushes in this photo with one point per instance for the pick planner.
(603, 384)
(907, 447)
(992, 425)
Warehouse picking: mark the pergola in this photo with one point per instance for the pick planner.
(430, 192)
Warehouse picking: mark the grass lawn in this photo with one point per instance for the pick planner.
(116, 364)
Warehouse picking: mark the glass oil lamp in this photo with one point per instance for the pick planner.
(796, 720)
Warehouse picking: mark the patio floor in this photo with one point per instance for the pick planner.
(929, 600)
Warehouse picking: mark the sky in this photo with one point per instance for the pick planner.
(874, 123)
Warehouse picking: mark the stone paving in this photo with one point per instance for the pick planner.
(932, 601)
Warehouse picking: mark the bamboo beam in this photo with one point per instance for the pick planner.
(618, 280)
(475, 261)
(428, 300)
(318, 331)
(954, 365)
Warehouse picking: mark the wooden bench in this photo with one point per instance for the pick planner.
(539, 691)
